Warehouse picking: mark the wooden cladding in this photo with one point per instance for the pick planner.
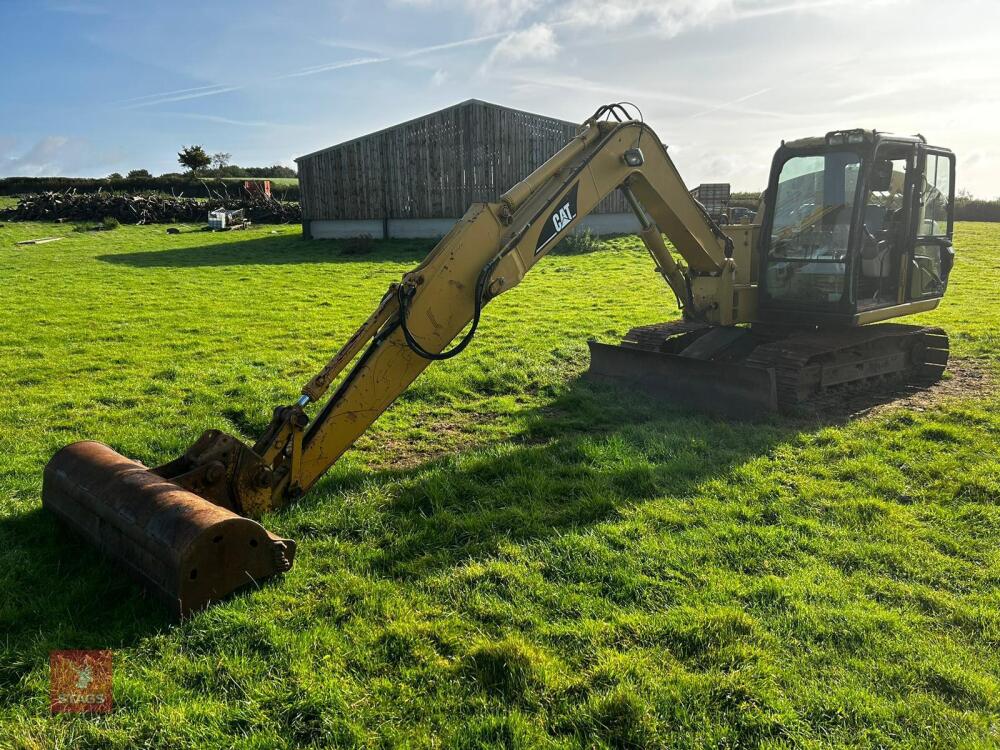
(432, 167)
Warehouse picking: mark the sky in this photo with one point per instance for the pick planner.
(92, 87)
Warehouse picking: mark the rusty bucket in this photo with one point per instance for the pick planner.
(186, 548)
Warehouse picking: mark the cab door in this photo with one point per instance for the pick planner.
(932, 255)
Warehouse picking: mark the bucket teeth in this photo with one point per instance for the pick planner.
(189, 550)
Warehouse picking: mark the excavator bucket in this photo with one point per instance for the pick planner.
(188, 549)
(725, 388)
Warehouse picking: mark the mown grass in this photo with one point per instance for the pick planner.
(511, 557)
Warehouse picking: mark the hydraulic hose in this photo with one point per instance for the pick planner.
(406, 295)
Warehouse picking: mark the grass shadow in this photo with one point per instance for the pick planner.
(582, 459)
(62, 594)
(271, 250)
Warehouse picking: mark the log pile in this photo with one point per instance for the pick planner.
(146, 208)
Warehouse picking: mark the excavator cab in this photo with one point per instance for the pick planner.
(857, 229)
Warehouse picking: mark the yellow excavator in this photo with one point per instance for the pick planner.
(855, 228)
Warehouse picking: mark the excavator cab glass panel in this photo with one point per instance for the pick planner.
(883, 224)
(810, 231)
(933, 254)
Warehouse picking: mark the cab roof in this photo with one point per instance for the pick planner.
(852, 136)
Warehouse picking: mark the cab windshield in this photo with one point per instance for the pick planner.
(810, 232)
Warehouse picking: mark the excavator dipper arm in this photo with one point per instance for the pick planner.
(487, 253)
(184, 527)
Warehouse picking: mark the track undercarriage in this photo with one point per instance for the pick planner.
(741, 371)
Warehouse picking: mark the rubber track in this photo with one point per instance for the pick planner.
(791, 356)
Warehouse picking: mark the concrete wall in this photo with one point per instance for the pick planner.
(330, 229)
(341, 228)
(610, 223)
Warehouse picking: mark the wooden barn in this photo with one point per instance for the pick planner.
(417, 178)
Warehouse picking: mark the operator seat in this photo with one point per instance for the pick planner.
(876, 254)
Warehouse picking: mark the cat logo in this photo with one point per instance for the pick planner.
(562, 217)
(559, 220)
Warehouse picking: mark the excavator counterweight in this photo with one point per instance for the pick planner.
(855, 229)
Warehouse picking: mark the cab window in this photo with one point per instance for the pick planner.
(811, 228)
(932, 251)
(883, 232)
(935, 196)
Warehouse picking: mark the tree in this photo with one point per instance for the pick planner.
(137, 174)
(221, 160)
(231, 171)
(194, 158)
(275, 170)
(114, 176)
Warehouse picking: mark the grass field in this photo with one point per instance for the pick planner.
(511, 557)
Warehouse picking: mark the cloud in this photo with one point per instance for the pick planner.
(439, 78)
(669, 18)
(179, 96)
(537, 42)
(487, 15)
(40, 158)
(701, 106)
(220, 119)
(731, 103)
(211, 89)
(664, 17)
(354, 46)
(760, 10)
(468, 42)
(198, 92)
(326, 67)
(55, 155)
(973, 159)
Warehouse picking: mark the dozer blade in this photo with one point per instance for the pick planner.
(724, 388)
(186, 548)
